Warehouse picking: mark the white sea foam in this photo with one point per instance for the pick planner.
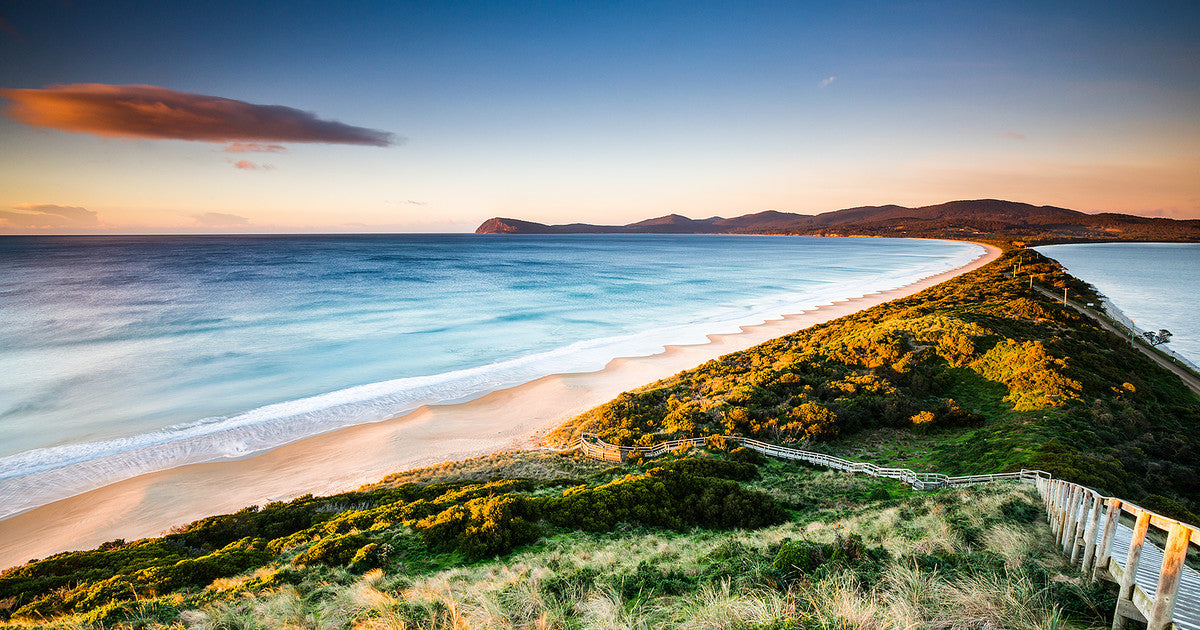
(39, 476)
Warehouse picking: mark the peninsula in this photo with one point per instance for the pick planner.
(980, 373)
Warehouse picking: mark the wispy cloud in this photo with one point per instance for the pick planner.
(253, 147)
(1014, 135)
(826, 82)
(37, 217)
(220, 220)
(147, 111)
(247, 165)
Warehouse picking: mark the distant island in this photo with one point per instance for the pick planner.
(980, 219)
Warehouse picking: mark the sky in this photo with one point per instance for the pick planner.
(290, 117)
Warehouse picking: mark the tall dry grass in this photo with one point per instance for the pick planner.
(582, 581)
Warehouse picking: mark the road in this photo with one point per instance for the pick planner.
(1186, 376)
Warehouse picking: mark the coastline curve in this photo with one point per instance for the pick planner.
(343, 459)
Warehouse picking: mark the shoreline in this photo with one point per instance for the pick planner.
(1115, 313)
(345, 459)
(1118, 316)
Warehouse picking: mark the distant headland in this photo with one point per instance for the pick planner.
(980, 219)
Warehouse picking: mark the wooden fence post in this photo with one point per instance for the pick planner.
(1111, 519)
(1078, 514)
(1131, 563)
(1067, 517)
(1066, 514)
(1072, 515)
(1089, 543)
(1168, 580)
(1060, 511)
(1077, 537)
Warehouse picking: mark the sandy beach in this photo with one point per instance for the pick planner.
(341, 460)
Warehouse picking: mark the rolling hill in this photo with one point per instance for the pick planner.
(978, 219)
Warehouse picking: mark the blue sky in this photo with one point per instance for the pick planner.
(606, 113)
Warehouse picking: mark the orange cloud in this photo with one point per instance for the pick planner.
(146, 111)
(36, 217)
(247, 165)
(253, 147)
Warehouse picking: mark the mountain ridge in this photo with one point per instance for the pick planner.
(975, 218)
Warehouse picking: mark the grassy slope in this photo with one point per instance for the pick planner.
(970, 376)
(853, 552)
(979, 374)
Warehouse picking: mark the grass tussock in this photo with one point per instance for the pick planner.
(907, 562)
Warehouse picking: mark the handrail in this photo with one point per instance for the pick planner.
(1075, 518)
(1074, 515)
(591, 445)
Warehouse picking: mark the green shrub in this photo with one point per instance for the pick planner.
(879, 494)
(1169, 507)
(370, 556)
(708, 467)
(648, 580)
(669, 496)
(569, 588)
(746, 456)
(796, 559)
(334, 551)
(967, 528)
(483, 527)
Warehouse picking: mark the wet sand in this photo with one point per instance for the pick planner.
(341, 460)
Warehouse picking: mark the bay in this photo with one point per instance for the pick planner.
(1155, 284)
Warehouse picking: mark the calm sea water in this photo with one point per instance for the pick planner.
(1155, 284)
(120, 356)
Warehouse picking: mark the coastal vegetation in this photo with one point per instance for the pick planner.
(979, 374)
(364, 529)
(628, 546)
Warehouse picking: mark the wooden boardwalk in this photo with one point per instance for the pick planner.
(1155, 585)
(1187, 602)
(1160, 591)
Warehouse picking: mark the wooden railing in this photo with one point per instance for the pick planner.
(1088, 537)
(1075, 519)
(593, 446)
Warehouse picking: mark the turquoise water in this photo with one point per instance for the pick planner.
(1155, 284)
(126, 355)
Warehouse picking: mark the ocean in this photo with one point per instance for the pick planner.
(126, 355)
(1154, 284)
